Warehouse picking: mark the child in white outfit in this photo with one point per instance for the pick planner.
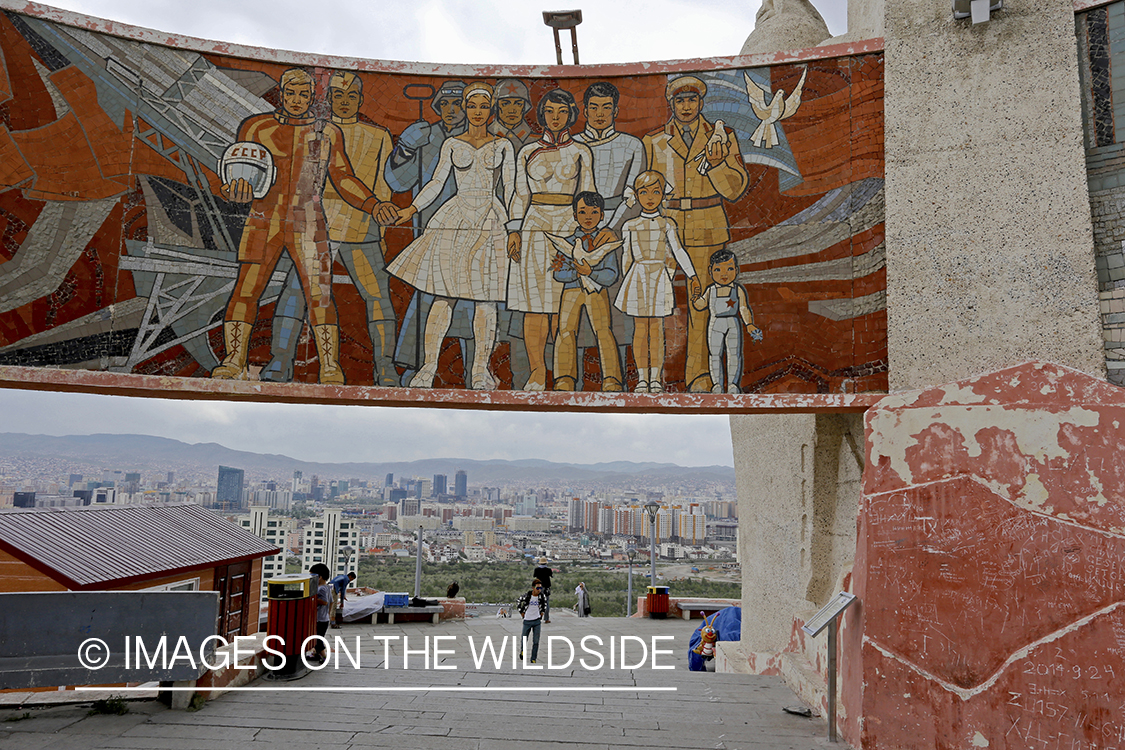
(729, 313)
(650, 254)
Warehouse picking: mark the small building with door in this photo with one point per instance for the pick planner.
(173, 546)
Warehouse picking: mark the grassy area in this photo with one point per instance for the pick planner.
(505, 582)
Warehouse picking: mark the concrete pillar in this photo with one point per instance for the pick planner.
(989, 247)
(797, 531)
(773, 476)
(798, 480)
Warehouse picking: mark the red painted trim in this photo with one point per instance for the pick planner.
(38, 565)
(117, 582)
(180, 41)
(159, 386)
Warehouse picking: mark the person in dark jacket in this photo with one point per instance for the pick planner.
(531, 607)
(543, 574)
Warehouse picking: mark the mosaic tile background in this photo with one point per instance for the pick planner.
(119, 251)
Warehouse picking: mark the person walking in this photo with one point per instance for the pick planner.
(543, 574)
(531, 607)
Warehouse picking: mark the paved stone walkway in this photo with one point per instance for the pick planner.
(492, 708)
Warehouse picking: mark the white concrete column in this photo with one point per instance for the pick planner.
(990, 256)
(773, 464)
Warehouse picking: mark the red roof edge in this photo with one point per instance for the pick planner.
(38, 565)
(72, 585)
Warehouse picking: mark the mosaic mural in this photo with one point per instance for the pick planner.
(171, 212)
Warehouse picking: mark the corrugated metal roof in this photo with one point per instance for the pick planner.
(92, 546)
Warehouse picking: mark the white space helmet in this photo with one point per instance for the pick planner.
(252, 162)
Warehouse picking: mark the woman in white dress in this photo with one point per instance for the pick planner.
(549, 173)
(651, 253)
(463, 253)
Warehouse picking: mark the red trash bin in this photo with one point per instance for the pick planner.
(657, 602)
(292, 617)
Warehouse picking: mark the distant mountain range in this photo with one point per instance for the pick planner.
(146, 453)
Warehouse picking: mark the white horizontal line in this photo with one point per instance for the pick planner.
(361, 689)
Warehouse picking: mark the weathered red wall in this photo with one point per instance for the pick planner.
(991, 567)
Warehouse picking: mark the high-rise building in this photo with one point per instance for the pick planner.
(439, 484)
(461, 484)
(331, 540)
(574, 514)
(410, 506)
(390, 480)
(605, 520)
(74, 479)
(276, 531)
(229, 494)
(171, 478)
(590, 519)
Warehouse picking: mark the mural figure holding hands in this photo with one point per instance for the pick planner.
(288, 217)
(463, 252)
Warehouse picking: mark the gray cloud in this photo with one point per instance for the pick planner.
(456, 31)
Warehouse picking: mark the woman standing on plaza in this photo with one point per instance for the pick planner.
(583, 600)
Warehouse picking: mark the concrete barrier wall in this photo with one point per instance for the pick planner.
(129, 248)
(989, 566)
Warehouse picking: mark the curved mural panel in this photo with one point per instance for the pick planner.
(698, 229)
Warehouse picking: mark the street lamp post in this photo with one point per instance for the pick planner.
(348, 552)
(630, 552)
(651, 508)
(418, 566)
(564, 19)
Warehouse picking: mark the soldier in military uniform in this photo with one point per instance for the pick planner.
(512, 104)
(703, 173)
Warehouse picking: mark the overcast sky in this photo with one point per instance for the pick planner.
(444, 31)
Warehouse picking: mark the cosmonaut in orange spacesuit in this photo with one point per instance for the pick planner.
(289, 217)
